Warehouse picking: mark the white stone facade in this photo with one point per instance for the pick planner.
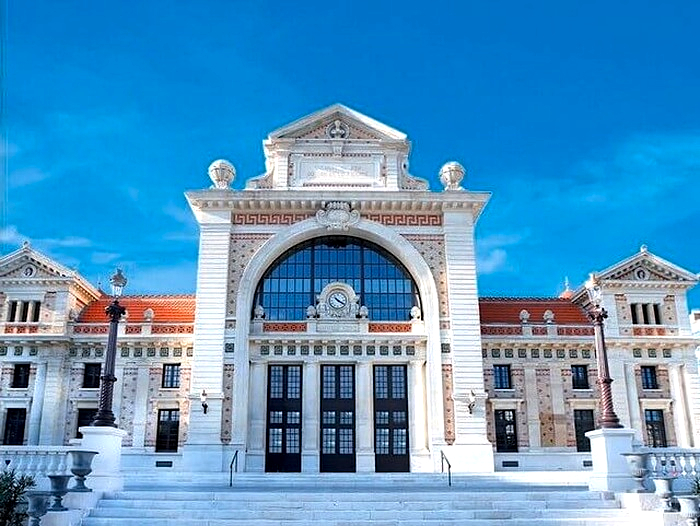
(340, 175)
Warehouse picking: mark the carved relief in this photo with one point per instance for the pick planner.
(337, 215)
(243, 248)
(227, 405)
(432, 248)
(449, 404)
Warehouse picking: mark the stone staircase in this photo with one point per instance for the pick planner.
(355, 500)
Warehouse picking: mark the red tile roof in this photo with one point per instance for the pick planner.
(507, 310)
(166, 309)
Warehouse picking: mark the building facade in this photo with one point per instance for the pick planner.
(336, 326)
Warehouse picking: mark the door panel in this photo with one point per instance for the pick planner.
(391, 418)
(337, 418)
(283, 448)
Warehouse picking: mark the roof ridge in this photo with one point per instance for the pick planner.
(524, 298)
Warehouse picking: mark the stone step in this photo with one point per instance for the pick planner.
(111, 521)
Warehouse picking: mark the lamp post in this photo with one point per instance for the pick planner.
(104, 416)
(597, 314)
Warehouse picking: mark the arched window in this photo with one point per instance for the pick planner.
(292, 283)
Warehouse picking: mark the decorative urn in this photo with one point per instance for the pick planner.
(451, 175)
(222, 173)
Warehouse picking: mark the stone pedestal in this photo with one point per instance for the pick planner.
(468, 458)
(106, 467)
(610, 471)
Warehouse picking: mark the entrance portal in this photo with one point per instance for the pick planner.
(283, 451)
(338, 418)
(390, 418)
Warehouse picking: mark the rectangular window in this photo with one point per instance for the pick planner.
(501, 377)
(13, 311)
(506, 437)
(35, 312)
(14, 427)
(649, 377)
(85, 418)
(168, 430)
(583, 422)
(91, 376)
(20, 376)
(24, 311)
(656, 430)
(645, 313)
(579, 377)
(171, 376)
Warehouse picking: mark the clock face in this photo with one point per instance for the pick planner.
(337, 299)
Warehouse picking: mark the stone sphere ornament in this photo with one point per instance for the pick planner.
(222, 173)
(451, 175)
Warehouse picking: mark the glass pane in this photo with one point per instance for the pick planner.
(398, 382)
(346, 382)
(293, 381)
(346, 441)
(293, 440)
(399, 417)
(328, 445)
(399, 446)
(275, 417)
(329, 417)
(276, 381)
(381, 439)
(275, 440)
(381, 383)
(328, 382)
(382, 418)
(346, 418)
(293, 417)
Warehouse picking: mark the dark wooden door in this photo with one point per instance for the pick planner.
(283, 448)
(390, 418)
(338, 418)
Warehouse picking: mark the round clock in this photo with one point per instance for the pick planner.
(29, 271)
(337, 299)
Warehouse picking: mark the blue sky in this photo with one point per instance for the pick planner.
(582, 119)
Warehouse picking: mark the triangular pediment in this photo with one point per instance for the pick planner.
(337, 122)
(31, 266)
(645, 267)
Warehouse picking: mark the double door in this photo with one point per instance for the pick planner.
(337, 418)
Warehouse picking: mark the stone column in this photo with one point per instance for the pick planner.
(140, 407)
(681, 413)
(203, 450)
(420, 456)
(255, 457)
(311, 408)
(471, 450)
(532, 407)
(52, 414)
(364, 417)
(635, 415)
(556, 390)
(37, 404)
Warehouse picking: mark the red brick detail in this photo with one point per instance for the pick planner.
(287, 326)
(539, 331)
(172, 329)
(389, 327)
(269, 219)
(574, 331)
(22, 329)
(649, 331)
(91, 329)
(133, 329)
(406, 219)
(501, 330)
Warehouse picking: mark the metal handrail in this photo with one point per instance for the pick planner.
(443, 459)
(234, 461)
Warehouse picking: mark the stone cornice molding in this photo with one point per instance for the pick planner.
(364, 202)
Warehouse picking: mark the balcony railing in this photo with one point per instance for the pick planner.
(36, 461)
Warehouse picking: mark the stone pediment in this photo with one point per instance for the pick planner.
(337, 122)
(645, 268)
(337, 148)
(29, 266)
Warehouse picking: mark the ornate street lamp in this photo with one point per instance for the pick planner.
(597, 314)
(104, 416)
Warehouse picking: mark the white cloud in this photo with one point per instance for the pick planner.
(11, 236)
(102, 258)
(26, 176)
(495, 261)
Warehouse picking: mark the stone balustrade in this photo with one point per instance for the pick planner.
(675, 462)
(36, 461)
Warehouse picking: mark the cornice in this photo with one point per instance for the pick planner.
(303, 200)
